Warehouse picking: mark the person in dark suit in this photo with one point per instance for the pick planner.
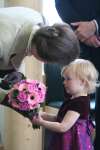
(84, 17)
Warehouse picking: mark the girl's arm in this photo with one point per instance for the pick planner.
(48, 117)
(68, 121)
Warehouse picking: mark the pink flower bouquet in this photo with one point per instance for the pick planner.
(26, 96)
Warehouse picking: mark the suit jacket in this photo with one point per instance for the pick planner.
(81, 10)
(76, 10)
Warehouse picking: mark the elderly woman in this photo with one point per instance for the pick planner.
(16, 26)
(22, 32)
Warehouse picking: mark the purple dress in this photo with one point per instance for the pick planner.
(79, 136)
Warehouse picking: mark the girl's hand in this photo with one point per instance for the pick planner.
(42, 114)
(37, 120)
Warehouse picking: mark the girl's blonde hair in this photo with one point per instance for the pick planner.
(85, 70)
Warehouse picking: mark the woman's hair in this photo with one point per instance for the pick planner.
(56, 44)
(86, 71)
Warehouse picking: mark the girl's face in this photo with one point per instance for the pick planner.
(73, 85)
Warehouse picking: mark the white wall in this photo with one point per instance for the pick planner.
(1, 3)
(1, 124)
(49, 12)
(1, 107)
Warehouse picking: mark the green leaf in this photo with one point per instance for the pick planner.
(2, 95)
(15, 93)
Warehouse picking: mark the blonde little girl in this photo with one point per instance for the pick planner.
(72, 127)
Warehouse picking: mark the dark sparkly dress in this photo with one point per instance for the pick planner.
(79, 136)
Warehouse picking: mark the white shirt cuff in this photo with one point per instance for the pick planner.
(97, 27)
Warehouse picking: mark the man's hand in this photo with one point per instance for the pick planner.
(93, 41)
(84, 29)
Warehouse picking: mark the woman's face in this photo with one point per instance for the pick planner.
(34, 53)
